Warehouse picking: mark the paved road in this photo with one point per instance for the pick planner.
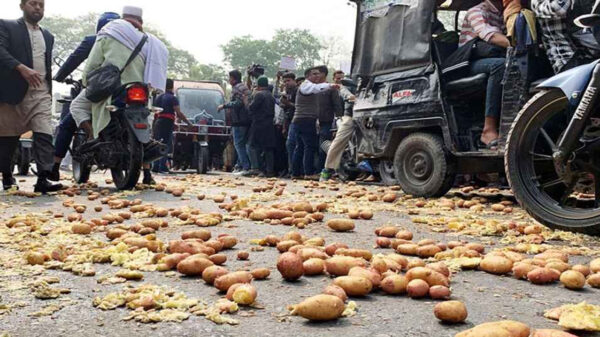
(487, 297)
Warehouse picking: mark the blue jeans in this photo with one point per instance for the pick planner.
(240, 142)
(324, 134)
(494, 67)
(307, 136)
(163, 132)
(64, 136)
(295, 167)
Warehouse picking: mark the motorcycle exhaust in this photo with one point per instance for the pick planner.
(154, 151)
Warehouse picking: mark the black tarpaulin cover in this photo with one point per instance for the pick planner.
(397, 39)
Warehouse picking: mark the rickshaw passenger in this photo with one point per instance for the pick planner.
(485, 22)
(562, 48)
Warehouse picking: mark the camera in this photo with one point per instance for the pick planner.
(256, 70)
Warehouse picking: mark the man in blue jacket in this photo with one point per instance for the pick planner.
(67, 126)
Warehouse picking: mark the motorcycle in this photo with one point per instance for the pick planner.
(555, 171)
(124, 145)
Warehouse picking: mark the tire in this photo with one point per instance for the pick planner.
(24, 161)
(543, 199)
(202, 158)
(423, 168)
(387, 172)
(81, 171)
(127, 176)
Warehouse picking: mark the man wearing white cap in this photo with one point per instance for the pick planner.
(114, 45)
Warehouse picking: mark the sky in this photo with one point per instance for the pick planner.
(201, 26)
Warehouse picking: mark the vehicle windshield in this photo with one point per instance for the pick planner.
(193, 101)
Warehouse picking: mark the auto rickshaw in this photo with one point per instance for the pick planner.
(408, 113)
(207, 143)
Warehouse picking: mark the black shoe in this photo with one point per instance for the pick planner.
(9, 182)
(44, 186)
(148, 180)
(54, 175)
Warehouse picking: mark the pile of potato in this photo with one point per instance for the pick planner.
(544, 268)
(298, 214)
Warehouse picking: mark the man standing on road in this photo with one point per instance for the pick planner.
(262, 131)
(330, 105)
(305, 122)
(344, 132)
(240, 122)
(165, 123)
(287, 103)
(67, 126)
(25, 93)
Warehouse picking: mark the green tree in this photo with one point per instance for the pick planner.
(208, 72)
(242, 51)
(69, 32)
(300, 44)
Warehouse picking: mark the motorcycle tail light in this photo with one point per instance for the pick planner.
(137, 94)
(140, 126)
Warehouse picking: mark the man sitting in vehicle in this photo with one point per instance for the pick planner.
(485, 22)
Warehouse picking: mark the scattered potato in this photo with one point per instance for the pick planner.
(499, 329)
(320, 308)
(439, 292)
(572, 279)
(290, 266)
(394, 284)
(340, 225)
(496, 265)
(313, 266)
(260, 273)
(354, 285)
(224, 282)
(245, 294)
(210, 274)
(417, 288)
(334, 290)
(451, 311)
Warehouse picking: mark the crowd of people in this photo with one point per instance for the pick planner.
(278, 128)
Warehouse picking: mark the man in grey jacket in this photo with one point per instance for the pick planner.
(305, 122)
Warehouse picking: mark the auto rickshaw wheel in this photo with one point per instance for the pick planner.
(387, 172)
(422, 166)
(562, 196)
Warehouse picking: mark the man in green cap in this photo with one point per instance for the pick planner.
(262, 136)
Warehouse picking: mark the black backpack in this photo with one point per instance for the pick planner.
(104, 81)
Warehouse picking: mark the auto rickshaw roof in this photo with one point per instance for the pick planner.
(392, 36)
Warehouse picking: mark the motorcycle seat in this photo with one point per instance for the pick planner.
(467, 86)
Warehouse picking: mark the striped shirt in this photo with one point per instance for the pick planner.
(482, 21)
(553, 17)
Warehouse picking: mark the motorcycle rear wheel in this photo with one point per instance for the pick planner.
(553, 195)
(81, 171)
(127, 175)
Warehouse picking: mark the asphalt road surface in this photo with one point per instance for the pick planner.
(487, 297)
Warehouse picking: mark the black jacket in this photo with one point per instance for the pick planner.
(262, 112)
(239, 112)
(76, 58)
(15, 49)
